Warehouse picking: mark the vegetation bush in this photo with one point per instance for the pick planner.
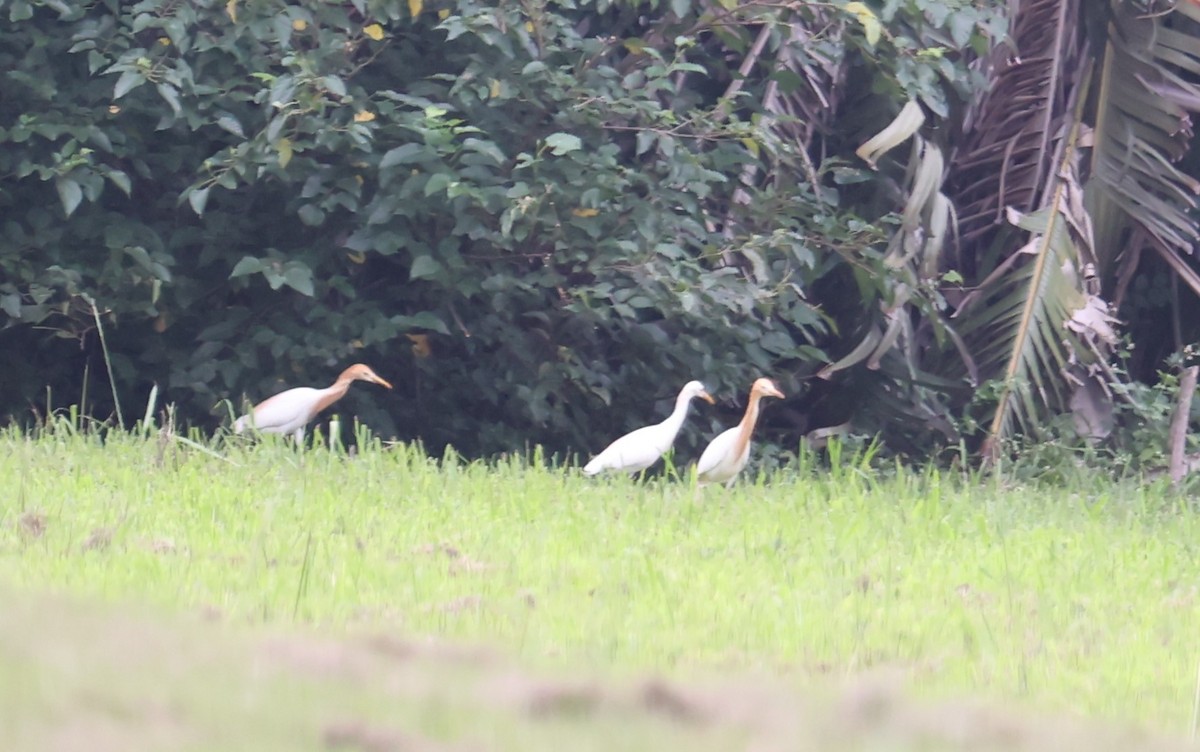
(537, 219)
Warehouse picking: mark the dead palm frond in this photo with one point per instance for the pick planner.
(1148, 85)
(1037, 322)
(1005, 157)
(1038, 315)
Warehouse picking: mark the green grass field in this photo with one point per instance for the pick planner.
(1076, 601)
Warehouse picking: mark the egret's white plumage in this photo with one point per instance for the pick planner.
(727, 454)
(638, 450)
(290, 411)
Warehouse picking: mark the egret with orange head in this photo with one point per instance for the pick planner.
(290, 411)
(728, 453)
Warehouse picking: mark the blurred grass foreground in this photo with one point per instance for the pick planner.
(159, 595)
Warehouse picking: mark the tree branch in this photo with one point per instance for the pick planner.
(1179, 424)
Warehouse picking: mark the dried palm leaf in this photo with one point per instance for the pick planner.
(913, 252)
(1038, 318)
(1147, 87)
(1006, 155)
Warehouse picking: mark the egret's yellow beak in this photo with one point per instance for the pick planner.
(707, 398)
(375, 379)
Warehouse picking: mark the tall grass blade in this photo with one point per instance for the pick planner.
(107, 360)
(148, 419)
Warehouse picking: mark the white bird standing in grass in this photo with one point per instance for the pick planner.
(290, 411)
(728, 453)
(638, 450)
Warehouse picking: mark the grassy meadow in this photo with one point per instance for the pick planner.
(1080, 601)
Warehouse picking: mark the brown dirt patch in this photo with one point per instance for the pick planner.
(361, 735)
(32, 524)
(86, 678)
(99, 539)
(563, 699)
(464, 603)
(660, 697)
(460, 562)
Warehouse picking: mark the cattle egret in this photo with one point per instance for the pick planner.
(638, 450)
(290, 411)
(727, 454)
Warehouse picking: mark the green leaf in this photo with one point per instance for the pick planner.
(424, 266)
(275, 127)
(962, 25)
(857, 355)
(406, 154)
(563, 143)
(485, 147)
(422, 320)
(121, 180)
(129, 80)
(171, 95)
(284, 147)
(871, 26)
(117, 236)
(198, 198)
(22, 10)
(142, 257)
(311, 215)
(69, 193)
(11, 304)
(230, 123)
(142, 21)
(248, 265)
(299, 277)
(335, 85)
(438, 182)
(645, 139)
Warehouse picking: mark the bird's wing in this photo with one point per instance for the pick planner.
(636, 450)
(717, 450)
(287, 410)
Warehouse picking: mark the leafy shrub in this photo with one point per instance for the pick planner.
(537, 220)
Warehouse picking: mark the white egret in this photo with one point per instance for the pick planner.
(638, 450)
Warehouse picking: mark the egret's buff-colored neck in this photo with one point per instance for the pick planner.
(292, 409)
(337, 390)
(762, 388)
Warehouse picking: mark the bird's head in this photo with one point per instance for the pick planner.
(766, 388)
(696, 389)
(360, 372)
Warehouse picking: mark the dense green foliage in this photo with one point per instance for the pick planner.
(570, 206)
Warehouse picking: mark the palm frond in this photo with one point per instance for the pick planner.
(1035, 322)
(1006, 155)
(1147, 88)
